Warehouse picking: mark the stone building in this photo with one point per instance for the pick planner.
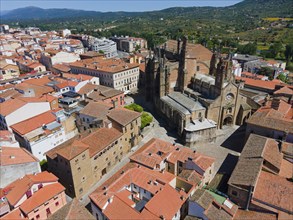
(82, 162)
(194, 99)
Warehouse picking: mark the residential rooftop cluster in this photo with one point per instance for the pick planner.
(68, 144)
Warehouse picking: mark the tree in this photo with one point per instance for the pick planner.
(249, 48)
(275, 49)
(283, 78)
(146, 119)
(267, 71)
(134, 107)
(289, 53)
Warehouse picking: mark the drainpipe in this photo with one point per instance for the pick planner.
(249, 197)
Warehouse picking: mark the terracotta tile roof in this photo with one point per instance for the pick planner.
(166, 202)
(72, 210)
(119, 207)
(33, 123)
(262, 147)
(284, 90)
(97, 110)
(61, 67)
(19, 187)
(191, 176)
(249, 215)
(103, 92)
(193, 50)
(246, 172)
(41, 196)
(5, 135)
(80, 77)
(15, 155)
(87, 88)
(155, 151)
(100, 139)
(286, 169)
(123, 116)
(104, 65)
(275, 191)
(268, 117)
(271, 85)
(13, 215)
(72, 150)
(214, 212)
(9, 93)
(10, 106)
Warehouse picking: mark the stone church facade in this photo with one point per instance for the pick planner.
(195, 98)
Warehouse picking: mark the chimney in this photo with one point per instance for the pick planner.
(12, 157)
(275, 103)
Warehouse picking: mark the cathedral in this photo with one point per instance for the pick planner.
(194, 90)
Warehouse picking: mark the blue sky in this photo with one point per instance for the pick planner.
(111, 5)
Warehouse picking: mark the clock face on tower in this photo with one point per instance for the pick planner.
(229, 97)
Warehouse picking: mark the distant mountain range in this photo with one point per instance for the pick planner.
(254, 8)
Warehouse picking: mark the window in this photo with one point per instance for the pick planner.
(106, 158)
(46, 203)
(38, 216)
(197, 68)
(76, 161)
(83, 156)
(56, 203)
(79, 169)
(234, 193)
(80, 190)
(36, 210)
(83, 179)
(114, 152)
(109, 164)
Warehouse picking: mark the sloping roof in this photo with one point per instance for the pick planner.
(246, 172)
(274, 190)
(193, 50)
(96, 109)
(101, 138)
(166, 202)
(33, 123)
(202, 197)
(268, 117)
(284, 90)
(10, 106)
(41, 196)
(19, 187)
(15, 155)
(261, 147)
(72, 150)
(123, 116)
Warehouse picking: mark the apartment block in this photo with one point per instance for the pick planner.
(113, 72)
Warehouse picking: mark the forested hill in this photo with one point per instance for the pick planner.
(246, 8)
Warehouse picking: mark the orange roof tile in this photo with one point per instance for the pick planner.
(41, 196)
(284, 90)
(105, 65)
(166, 202)
(275, 191)
(10, 106)
(15, 214)
(123, 116)
(19, 187)
(33, 123)
(100, 139)
(15, 155)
